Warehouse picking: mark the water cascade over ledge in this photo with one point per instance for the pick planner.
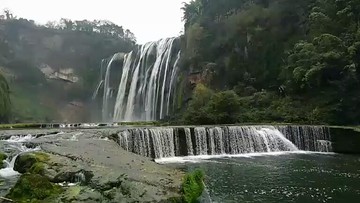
(167, 142)
(145, 88)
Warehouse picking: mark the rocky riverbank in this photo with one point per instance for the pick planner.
(87, 166)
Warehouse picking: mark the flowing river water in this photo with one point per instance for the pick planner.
(280, 177)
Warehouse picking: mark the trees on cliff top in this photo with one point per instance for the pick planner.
(303, 53)
(25, 47)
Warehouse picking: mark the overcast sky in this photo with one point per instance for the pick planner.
(149, 20)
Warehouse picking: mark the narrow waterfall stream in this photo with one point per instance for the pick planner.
(170, 142)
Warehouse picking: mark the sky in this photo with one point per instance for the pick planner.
(149, 20)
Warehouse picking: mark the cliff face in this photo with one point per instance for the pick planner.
(283, 61)
(49, 69)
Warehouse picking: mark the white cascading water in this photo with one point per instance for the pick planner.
(201, 141)
(163, 142)
(98, 87)
(147, 83)
(308, 138)
(189, 144)
(119, 106)
(168, 142)
(15, 143)
(172, 89)
(107, 94)
(240, 140)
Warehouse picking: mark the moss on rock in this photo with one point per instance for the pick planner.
(193, 186)
(33, 188)
(3, 157)
(31, 162)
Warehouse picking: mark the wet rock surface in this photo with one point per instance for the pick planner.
(93, 168)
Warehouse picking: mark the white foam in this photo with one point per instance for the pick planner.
(8, 172)
(202, 158)
(89, 125)
(66, 184)
(16, 138)
(75, 136)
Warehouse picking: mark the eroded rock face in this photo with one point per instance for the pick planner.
(99, 168)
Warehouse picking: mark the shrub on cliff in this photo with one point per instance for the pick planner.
(197, 112)
(224, 107)
(207, 107)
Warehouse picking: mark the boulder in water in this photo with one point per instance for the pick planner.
(31, 162)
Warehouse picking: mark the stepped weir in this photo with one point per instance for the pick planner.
(166, 142)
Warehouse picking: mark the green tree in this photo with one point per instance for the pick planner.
(288, 60)
(196, 112)
(27, 49)
(5, 104)
(224, 107)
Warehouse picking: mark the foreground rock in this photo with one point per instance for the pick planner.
(34, 187)
(100, 169)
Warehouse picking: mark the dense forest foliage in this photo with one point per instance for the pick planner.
(28, 51)
(273, 61)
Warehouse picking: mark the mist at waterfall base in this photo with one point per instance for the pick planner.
(140, 85)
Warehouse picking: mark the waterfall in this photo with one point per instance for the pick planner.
(96, 92)
(172, 81)
(107, 88)
(119, 106)
(227, 140)
(189, 144)
(146, 83)
(308, 138)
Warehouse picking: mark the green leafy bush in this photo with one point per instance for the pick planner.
(193, 186)
(208, 107)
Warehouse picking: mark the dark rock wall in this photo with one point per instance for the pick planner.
(345, 140)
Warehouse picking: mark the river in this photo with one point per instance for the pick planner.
(294, 177)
